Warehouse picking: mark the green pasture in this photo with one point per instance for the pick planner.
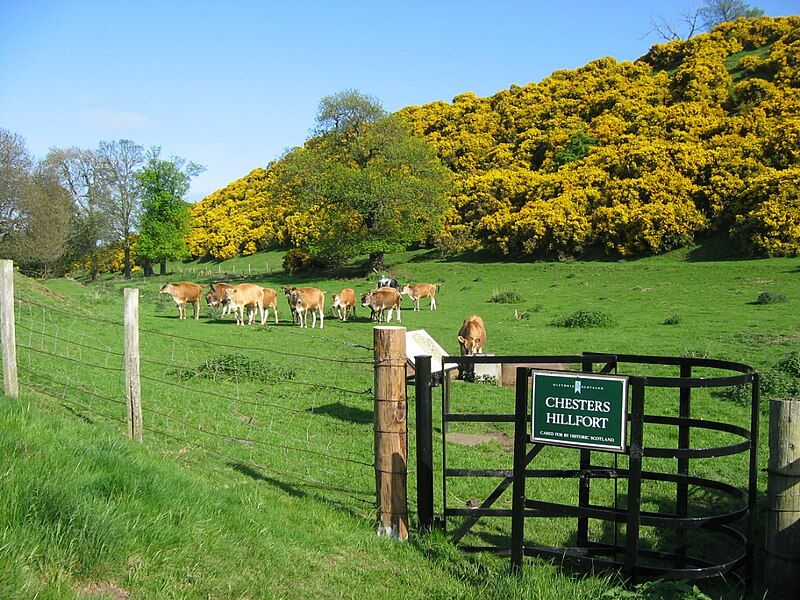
(256, 479)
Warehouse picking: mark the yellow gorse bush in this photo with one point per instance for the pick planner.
(634, 157)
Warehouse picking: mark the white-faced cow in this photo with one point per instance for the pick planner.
(421, 290)
(217, 296)
(270, 300)
(343, 302)
(307, 299)
(472, 336)
(382, 299)
(182, 293)
(246, 296)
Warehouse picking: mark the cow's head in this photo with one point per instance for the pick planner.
(366, 299)
(406, 290)
(470, 345)
(166, 289)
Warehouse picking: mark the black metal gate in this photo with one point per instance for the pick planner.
(736, 523)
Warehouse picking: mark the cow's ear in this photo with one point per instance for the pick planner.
(462, 340)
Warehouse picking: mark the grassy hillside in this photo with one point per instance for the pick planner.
(255, 478)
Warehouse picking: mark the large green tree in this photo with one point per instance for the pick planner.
(165, 216)
(369, 185)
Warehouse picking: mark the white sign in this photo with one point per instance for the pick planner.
(420, 343)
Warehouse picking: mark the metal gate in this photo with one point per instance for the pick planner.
(735, 524)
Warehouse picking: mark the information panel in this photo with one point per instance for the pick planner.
(577, 410)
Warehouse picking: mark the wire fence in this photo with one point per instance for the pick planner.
(295, 411)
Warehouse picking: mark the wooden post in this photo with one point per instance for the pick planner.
(391, 431)
(132, 385)
(9, 338)
(783, 499)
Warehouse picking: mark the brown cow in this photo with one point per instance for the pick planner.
(218, 296)
(472, 336)
(381, 299)
(421, 290)
(287, 292)
(309, 299)
(246, 295)
(270, 299)
(182, 293)
(343, 302)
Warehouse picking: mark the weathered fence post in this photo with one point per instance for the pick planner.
(132, 384)
(391, 431)
(9, 340)
(783, 499)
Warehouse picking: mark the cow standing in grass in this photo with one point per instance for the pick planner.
(307, 299)
(182, 293)
(472, 336)
(343, 302)
(270, 300)
(421, 290)
(287, 292)
(218, 296)
(246, 296)
(380, 300)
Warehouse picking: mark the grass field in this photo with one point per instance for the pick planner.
(256, 479)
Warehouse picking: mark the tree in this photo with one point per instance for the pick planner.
(42, 238)
(715, 12)
(15, 168)
(166, 216)
(79, 173)
(366, 185)
(119, 164)
(347, 112)
(709, 14)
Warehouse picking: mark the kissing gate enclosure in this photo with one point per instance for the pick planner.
(610, 464)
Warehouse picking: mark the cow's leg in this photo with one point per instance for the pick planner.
(181, 311)
(197, 309)
(391, 310)
(275, 310)
(321, 318)
(433, 303)
(398, 313)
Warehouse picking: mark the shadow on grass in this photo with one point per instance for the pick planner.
(281, 485)
(342, 412)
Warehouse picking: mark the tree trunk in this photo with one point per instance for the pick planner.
(148, 268)
(376, 261)
(163, 265)
(126, 251)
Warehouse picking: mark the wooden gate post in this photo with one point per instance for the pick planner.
(133, 395)
(9, 340)
(391, 431)
(783, 499)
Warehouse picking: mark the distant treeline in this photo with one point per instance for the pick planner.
(631, 158)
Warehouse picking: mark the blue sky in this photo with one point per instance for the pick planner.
(232, 84)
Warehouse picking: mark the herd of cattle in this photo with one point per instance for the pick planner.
(250, 298)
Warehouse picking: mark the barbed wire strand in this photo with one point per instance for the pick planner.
(68, 386)
(155, 332)
(290, 476)
(75, 360)
(74, 403)
(74, 343)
